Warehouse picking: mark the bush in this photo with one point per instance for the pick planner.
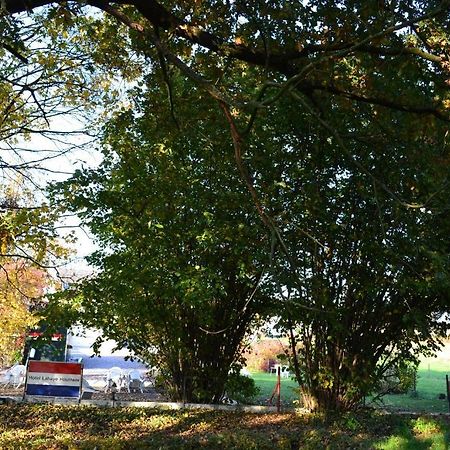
(241, 388)
(399, 379)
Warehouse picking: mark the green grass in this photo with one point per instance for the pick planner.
(430, 383)
(266, 383)
(43, 427)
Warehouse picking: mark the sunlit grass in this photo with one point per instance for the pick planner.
(86, 428)
(430, 383)
(266, 382)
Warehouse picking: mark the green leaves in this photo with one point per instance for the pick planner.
(340, 128)
(181, 247)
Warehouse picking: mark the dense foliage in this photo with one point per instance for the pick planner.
(181, 249)
(338, 115)
(28, 247)
(365, 283)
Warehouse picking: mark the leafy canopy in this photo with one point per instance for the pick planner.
(338, 114)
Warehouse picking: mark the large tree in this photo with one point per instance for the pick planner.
(362, 223)
(332, 107)
(360, 250)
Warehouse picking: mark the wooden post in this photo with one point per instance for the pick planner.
(279, 390)
(448, 391)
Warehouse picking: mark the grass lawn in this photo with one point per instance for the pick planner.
(266, 383)
(430, 383)
(39, 427)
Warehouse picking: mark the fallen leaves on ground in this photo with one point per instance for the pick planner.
(39, 426)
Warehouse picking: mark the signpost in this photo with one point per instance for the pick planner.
(54, 379)
(277, 390)
(448, 391)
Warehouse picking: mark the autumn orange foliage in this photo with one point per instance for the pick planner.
(264, 354)
(21, 289)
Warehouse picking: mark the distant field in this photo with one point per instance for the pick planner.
(430, 383)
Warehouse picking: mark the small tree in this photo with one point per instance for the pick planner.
(21, 288)
(261, 354)
(27, 247)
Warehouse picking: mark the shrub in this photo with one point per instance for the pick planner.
(399, 379)
(241, 388)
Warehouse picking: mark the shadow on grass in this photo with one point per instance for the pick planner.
(287, 431)
(44, 426)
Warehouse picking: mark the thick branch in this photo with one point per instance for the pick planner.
(281, 61)
(286, 62)
(388, 103)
